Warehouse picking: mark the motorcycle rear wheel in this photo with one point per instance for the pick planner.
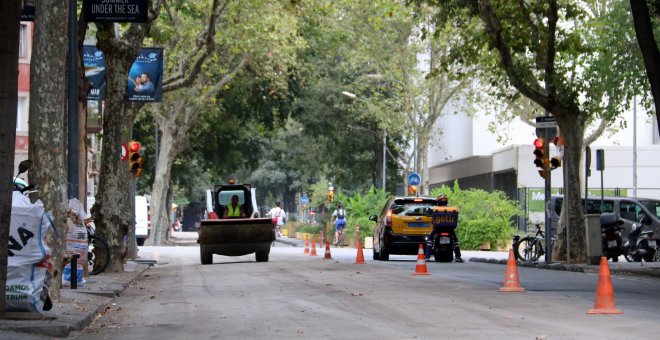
(626, 253)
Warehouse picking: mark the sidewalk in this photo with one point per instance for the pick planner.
(79, 307)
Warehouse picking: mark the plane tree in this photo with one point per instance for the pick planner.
(563, 57)
(251, 36)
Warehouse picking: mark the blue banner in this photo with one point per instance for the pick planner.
(145, 79)
(94, 63)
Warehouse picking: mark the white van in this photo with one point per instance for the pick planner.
(142, 219)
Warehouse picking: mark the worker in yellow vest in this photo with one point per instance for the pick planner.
(233, 209)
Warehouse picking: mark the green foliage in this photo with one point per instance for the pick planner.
(482, 216)
(309, 228)
(359, 206)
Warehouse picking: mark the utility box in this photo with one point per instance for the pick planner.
(593, 238)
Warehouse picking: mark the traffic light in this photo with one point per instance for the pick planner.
(539, 152)
(555, 162)
(134, 159)
(331, 196)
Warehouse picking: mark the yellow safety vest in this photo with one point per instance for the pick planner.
(233, 212)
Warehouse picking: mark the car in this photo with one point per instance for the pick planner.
(142, 219)
(628, 208)
(193, 213)
(403, 224)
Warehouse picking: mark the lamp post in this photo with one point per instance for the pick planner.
(353, 96)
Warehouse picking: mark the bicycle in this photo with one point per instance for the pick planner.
(530, 248)
(98, 253)
(341, 238)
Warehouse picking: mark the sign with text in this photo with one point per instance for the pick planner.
(94, 64)
(145, 79)
(115, 10)
(27, 12)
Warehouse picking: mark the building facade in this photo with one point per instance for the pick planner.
(468, 152)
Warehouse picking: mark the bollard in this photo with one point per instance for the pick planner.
(74, 271)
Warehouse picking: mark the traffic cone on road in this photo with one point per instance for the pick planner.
(306, 247)
(604, 303)
(313, 253)
(327, 252)
(359, 258)
(420, 268)
(511, 282)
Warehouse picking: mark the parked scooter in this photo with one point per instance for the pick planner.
(610, 226)
(641, 245)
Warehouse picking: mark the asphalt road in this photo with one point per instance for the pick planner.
(301, 296)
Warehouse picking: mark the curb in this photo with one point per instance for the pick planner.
(592, 269)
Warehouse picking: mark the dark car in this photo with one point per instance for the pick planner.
(403, 224)
(193, 213)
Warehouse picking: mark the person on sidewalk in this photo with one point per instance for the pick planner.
(442, 201)
(279, 217)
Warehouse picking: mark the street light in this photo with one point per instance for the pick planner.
(353, 96)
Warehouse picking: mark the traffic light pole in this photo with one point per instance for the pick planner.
(548, 185)
(131, 233)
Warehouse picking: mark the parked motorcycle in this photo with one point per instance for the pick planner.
(610, 226)
(641, 245)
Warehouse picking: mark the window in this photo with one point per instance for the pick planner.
(24, 42)
(653, 206)
(22, 113)
(630, 210)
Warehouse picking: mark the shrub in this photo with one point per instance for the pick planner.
(483, 216)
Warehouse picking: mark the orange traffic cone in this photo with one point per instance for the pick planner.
(420, 269)
(306, 247)
(511, 282)
(313, 253)
(327, 252)
(359, 258)
(604, 303)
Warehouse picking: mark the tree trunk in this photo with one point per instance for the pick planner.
(47, 128)
(162, 179)
(572, 130)
(174, 122)
(112, 209)
(649, 47)
(9, 38)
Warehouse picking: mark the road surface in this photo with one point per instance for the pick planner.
(301, 296)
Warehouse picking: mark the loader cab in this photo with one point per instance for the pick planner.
(223, 193)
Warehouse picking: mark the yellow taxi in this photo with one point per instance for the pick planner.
(403, 224)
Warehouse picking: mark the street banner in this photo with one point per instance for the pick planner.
(94, 63)
(27, 11)
(145, 79)
(115, 10)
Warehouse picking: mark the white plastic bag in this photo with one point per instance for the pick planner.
(76, 242)
(28, 262)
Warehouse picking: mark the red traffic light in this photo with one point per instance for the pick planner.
(539, 143)
(134, 146)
